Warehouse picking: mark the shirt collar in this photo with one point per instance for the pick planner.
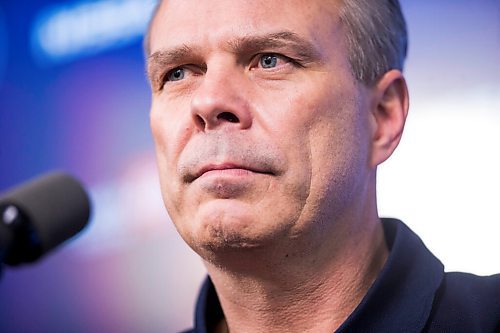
(400, 299)
(208, 309)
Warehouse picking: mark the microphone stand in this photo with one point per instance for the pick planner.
(6, 239)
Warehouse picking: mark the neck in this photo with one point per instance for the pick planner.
(279, 293)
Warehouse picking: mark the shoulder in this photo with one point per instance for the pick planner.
(466, 303)
(471, 292)
(473, 286)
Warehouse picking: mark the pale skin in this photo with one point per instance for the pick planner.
(267, 150)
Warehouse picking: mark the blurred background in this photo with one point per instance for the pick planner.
(74, 97)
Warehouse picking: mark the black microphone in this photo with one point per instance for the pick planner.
(40, 214)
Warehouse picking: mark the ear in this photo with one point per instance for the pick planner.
(389, 109)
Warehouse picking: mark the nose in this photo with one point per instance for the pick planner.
(220, 101)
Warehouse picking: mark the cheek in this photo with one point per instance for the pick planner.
(171, 127)
(334, 129)
(170, 134)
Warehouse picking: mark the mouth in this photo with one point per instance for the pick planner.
(226, 169)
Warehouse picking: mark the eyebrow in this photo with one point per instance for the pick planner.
(158, 60)
(276, 41)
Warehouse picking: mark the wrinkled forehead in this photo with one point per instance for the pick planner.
(210, 22)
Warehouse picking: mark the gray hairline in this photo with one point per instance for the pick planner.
(375, 32)
(376, 36)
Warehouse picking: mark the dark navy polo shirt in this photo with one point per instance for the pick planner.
(411, 294)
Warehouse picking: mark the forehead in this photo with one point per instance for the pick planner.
(212, 22)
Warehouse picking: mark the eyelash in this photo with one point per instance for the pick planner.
(255, 63)
(165, 77)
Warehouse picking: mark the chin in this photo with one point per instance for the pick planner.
(222, 227)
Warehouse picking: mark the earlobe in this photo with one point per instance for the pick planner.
(389, 110)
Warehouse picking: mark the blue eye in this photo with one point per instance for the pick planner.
(175, 74)
(268, 61)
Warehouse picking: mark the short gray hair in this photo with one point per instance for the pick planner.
(376, 37)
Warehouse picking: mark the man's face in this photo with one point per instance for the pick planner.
(261, 131)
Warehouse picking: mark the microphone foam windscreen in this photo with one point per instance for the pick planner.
(56, 205)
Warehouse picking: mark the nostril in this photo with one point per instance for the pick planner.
(228, 116)
(200, 121)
